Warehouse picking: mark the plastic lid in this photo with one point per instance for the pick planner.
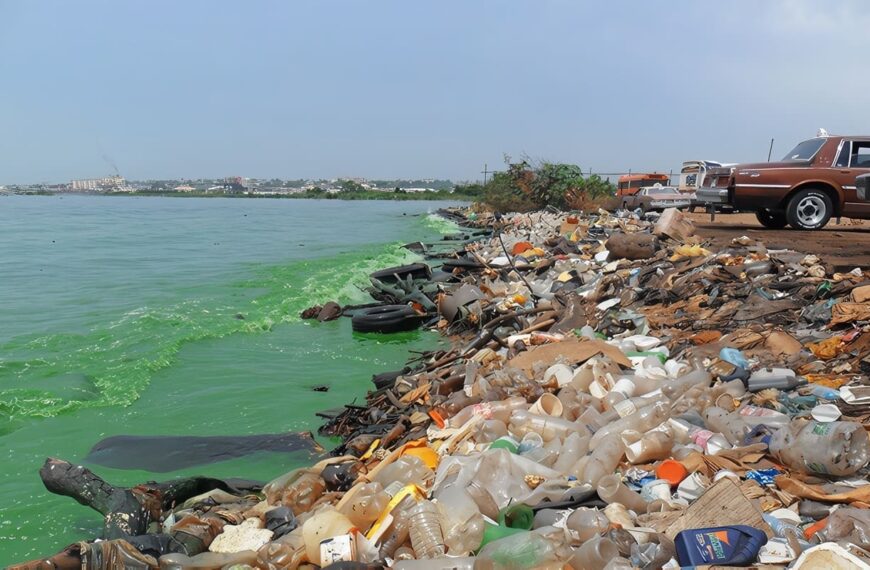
(671, 471)
(503, 443)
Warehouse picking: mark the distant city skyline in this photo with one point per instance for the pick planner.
(271, 89)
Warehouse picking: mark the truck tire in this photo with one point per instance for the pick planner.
(809, 209)
(386, 319)
(773, 219)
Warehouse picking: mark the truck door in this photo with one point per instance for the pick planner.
(852, 161)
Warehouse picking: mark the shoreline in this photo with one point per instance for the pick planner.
(525, 360)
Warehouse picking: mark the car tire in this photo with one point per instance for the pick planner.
(771, 219)
(386, 319)
(809, 209)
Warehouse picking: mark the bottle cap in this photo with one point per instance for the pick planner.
(671, 471)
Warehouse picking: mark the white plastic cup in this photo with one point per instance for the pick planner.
(547, 405)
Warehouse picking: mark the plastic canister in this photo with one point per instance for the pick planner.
(736, 545)
(321, 526)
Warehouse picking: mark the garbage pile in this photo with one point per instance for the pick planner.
(617, 395)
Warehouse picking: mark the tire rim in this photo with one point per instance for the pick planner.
(811, 211)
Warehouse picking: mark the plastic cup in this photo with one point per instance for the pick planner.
(547, 405)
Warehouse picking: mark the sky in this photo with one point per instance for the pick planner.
(418, 89)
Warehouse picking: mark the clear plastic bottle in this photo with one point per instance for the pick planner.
(500, 410)
(729, 424)
(206, 560)
(642, 420)
(303, 492)
(612, 490)
(587, 523)
(490, 430)
(461, 522)
(399, 531)
(673, 389)
(594, 554)
(427, 537)
(603, 460)
(404, 470)
(832, 448)
(574, 447)
(650, 446)
(523, 422)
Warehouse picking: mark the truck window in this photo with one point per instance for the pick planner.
(860, 154)
(805, 151)
(845, 153)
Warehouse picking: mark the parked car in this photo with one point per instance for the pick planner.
(812, 183)
(657, 198)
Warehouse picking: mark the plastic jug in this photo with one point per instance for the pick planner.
(736, 545)
(367, 505)
(461, 522)
(833, 448)
(779, 378)
(321, 526)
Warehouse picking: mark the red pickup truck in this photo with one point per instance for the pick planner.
(814, 182)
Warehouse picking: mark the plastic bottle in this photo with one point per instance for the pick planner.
(520, 550)
(285, 552)
(779, 378)
(594, 554)
(833, 448)
(820, 391)
(490, 430)
(612, 490)
(366, 506)
(523, 422)
(476, 489)
(574, 447)
(756, 415)
(322, 525)
(461, 522)
(399, 531)
(650, 446)
(427, 537)
(729, 424)
(404, 470)
(500, 410)
(206, 560)
(587, 523)
(303, 492)
(642, 420)
(465, 563)
(603, 460)
(673, 389)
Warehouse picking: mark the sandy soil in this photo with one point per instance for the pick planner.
(842, 247)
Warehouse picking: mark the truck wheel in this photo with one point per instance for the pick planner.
(772, 219)
(809, 209)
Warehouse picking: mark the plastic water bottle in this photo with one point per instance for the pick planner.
(426, 535)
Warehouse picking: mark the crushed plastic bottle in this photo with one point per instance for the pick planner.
(831, 448)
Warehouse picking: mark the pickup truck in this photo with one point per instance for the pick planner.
(814, 182)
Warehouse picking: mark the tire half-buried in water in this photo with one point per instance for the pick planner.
(386, 319)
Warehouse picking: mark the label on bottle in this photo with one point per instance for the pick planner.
(701, 437)
(483, 410)
(822, 428)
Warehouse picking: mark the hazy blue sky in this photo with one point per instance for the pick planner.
(418, 88)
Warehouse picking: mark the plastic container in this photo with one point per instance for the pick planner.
(612, 490)
(587, 523)
(831, 448)
(594, 554)
(500, 410)
(404, 471)
(367, 505)
(729, 424)
(650, 446)
(736, 545)
(321, 526)
(642, 420)
(398, 532)
(779, 378)
(523, 422)
(573, 448)
(462, 524)
(206, 560)
(673, 389)
(465, 563)
(427, 537)
(521, 550)
(603, 460)
(490, 431)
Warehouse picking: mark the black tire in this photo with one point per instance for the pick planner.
(386, 319)
(809, 209)
(415, 270)
(773, 219)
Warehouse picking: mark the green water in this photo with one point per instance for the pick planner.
(118, 315)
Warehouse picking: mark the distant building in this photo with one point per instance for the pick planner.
(107, 184)
(184, 188)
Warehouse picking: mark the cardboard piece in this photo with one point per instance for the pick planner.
(722, 505)
(674, 225)
(817, 493)
(861, 294)
(572, 352)
(780, 342)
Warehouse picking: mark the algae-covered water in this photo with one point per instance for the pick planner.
(121, 316)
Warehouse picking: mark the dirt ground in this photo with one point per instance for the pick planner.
(842, 247)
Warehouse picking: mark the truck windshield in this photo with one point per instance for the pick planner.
(804, 151)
